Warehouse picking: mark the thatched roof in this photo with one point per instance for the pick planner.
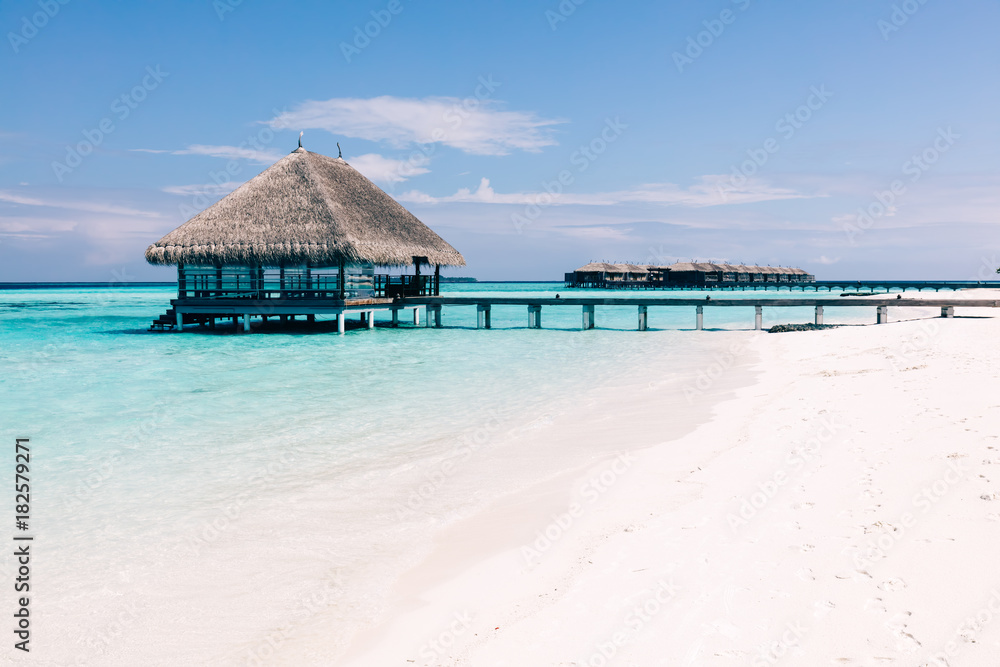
(595, 267)
(306, 207)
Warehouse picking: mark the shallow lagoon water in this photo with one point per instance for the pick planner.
(232, 478)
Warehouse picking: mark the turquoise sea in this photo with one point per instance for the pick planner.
(220, 497)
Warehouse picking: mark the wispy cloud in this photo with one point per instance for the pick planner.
(207, 189)
(224, 152)
(703, 193)
(89, 207)
(388, 170)
(482, 128)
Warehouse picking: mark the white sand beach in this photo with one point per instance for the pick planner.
(840, 507)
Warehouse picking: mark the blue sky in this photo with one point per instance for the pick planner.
(855, 138)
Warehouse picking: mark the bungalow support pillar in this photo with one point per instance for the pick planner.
(483, 316)
(535, 317)
(371, 320)
(340, 322)
(643, 317)
(246, 322)
(180, 321)
(758, 318)
(395, 317)
(434, 315)
(699, 317)
(416, 317)
(819, 314)
(588, 317)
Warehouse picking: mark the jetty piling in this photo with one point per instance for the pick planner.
(819, 315)
(699, 316)
(482, 316)
(643, 318)
(758, 318)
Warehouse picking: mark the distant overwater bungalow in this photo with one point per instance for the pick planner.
(302, 238)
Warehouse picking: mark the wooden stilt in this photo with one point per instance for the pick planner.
(483, 316)
(643, 318)
(699, 316)
(819, 314)
(758, 318)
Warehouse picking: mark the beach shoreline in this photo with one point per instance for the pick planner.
(752, 537)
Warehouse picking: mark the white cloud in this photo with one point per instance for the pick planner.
(704, 193)
(90, 207)
(224, 152)
(208, 189)
(471, 125)
(388, 170)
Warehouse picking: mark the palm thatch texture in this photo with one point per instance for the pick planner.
(306, 208)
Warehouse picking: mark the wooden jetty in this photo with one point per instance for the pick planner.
(206, 311)
(434, 306)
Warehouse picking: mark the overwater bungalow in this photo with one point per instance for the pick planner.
(302, 238)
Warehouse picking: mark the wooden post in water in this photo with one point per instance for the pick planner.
(819, 314)
(882, 315)
(643, 317)
(699, 317)
(534, 317)
(434, 315)
(588, 317)
(483, 316)
(758, 317)
(947, 311)
(416, 316)
(180, 321)
(371, 320)
(395, 317)
(340, 322)
(246, 322)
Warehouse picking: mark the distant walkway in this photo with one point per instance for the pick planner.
(871, 286)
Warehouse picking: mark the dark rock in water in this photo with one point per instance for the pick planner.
(782, 328)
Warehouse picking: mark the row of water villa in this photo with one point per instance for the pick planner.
(683, 275)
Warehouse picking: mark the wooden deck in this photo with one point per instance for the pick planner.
(206, 311)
